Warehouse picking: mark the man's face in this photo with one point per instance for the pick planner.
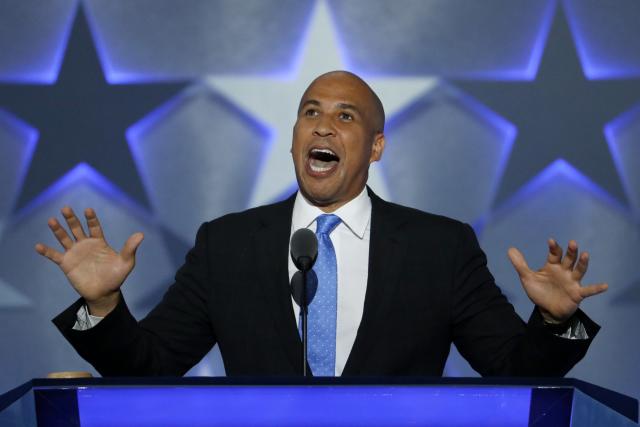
(334, 140)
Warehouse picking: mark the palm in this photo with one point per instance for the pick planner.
(556, 287)
(552, 288)
(92, 267)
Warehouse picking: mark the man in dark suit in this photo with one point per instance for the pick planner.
(421, 280)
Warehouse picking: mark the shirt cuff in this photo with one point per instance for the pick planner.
(573, 330)
(84, 320)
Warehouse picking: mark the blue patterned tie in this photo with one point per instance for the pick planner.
(323, 308)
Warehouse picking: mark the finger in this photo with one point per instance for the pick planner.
(60, 233)
(74, 223)
(130, 247)
(95, 229)
(581, 266)
(555, 252)
(589, 291)
(571, 256)
(50, 253)
(518, 261)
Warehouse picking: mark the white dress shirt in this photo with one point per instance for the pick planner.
(351, 242)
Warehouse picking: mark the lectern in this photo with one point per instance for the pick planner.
(194, 402)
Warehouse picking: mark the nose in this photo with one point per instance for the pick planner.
(323, 127)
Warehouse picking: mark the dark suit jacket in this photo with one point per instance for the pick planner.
(428, 286)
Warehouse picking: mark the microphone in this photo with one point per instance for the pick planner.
(297, 286)
(304, 249)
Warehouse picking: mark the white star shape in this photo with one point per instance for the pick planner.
(274, 101)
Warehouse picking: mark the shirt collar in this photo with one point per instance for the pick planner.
(355, 214)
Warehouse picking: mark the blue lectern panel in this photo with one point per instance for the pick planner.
(309, 406)
(285, 402)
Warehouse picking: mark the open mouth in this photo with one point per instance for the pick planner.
(322, 160)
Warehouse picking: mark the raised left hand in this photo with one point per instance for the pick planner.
(556, 288)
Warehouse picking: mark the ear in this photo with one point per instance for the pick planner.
(378, 147)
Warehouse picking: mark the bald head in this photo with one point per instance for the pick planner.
(339, 77)
(337, 135)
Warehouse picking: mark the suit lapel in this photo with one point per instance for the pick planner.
(272, 248)
(386, 251)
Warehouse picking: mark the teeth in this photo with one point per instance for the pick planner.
(317, 168)
(323, 150)
(322, 160)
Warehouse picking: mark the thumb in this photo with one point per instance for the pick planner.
(518, 261)
(130, 247)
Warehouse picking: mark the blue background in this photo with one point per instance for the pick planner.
(521, 118)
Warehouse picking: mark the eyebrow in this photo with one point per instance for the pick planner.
(348, 107)
(307, 102)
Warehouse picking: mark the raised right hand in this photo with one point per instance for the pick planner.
(92, 267)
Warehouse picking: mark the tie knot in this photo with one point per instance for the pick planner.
(326, 223)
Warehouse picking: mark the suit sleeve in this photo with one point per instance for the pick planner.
(491, 336)
(169, 341)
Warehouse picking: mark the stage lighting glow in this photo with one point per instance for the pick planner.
(82, 173)
(560, 168)
(624, 160)
(594, 63)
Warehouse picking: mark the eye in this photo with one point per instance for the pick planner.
(311, 112)
(346, 116)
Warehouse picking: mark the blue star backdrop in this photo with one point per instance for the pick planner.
(528, 128)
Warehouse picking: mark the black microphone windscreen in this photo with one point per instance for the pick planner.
(297, 286)
(304, 248)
